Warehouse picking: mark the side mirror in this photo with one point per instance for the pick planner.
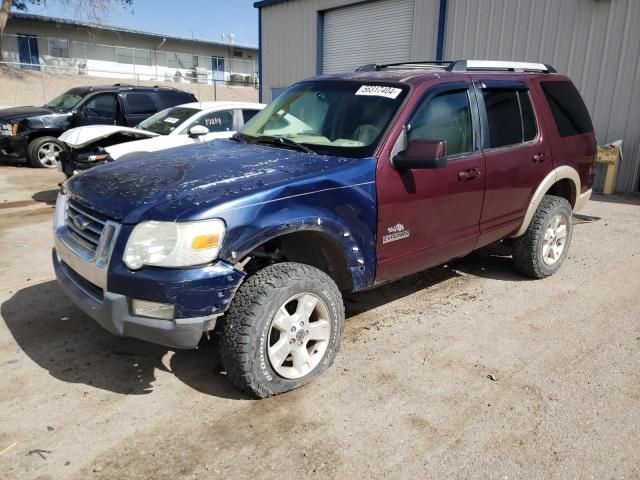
(422, 154)
(197, 131)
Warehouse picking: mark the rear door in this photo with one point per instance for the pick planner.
(516, 155)
(138, 106)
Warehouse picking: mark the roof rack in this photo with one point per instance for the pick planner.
(462, 66)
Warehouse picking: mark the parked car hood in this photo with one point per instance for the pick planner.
(161, 142)
(82, 136)
(18, 113)
(181, 183)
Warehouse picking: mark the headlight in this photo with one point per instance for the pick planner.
(10, 129)
(174, 244)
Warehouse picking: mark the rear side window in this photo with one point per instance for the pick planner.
(510, 117)
(140, 103)
(171, 98)
(248, 115)
(569, 111)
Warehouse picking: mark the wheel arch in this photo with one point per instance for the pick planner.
(563, 181)
(319, 242)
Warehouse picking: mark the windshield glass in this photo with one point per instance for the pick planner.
(66, 101)
(168, 120)
(330, 117)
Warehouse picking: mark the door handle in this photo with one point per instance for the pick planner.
(468, 174)
(539, 157)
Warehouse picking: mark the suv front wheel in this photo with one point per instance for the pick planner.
(540, 252)
(44, 152)
(282, 330)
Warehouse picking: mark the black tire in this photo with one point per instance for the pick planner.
(34, 147)
(528, 249)
(247, 323)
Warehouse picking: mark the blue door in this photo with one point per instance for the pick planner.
(217, 68)
(28, 51)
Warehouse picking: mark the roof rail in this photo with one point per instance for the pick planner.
(462, 66)
(122, 85)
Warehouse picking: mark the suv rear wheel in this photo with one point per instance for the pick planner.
(282, 330)
(43, 152)
(540, 252)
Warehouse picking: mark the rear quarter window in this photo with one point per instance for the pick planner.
(569, 111)
(173, 98)
(140, 103)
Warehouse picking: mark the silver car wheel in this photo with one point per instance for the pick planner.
(554, 240)
(48, 154)
(299, 336)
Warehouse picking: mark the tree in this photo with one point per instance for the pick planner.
(93, 10)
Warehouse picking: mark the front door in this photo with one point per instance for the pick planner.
(428, 216)
(100, 109)
(28, 52)
(515, 153)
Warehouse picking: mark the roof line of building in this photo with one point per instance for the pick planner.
(266, 3)
(111, 28)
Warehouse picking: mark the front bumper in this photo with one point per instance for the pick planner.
(13, 147)
(103, 287)
(112, 312)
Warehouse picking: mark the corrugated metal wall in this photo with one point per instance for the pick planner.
(289, 38)
(596, 42)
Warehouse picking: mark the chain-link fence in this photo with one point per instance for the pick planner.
(36, 69)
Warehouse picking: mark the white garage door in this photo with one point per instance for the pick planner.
(376, 32)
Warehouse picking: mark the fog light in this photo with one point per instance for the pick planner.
(164, 311)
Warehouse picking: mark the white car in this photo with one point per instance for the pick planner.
(196, 122)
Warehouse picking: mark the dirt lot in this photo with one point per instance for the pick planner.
(408, 396)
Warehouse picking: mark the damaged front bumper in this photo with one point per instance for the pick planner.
(98, 282)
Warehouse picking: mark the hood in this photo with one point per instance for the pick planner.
(180, 183)
(82, 136)
(153, 144)
(19, 113)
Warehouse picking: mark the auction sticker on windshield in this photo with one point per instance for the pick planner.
(171, 120)
(379, 91)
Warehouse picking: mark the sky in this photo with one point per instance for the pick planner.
(206, 19)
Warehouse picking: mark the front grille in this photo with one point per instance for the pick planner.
(85, 224)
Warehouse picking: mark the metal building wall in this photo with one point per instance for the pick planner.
(290, 42)
(596, 42)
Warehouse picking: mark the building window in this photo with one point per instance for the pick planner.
(182, 60)
(217, 64)
(59, 47)
(133, 56)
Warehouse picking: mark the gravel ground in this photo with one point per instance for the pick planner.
(408, 396)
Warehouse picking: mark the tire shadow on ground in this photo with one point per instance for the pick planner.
(60, 338)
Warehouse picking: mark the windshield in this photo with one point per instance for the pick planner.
(330, 117)
(168, 120)
(66, 101)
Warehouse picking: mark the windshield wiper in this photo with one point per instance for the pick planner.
(284, 141)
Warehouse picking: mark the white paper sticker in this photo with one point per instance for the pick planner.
(171, 120)
(379, 91)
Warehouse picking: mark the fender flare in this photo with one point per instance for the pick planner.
(355, 255)
(555, 175)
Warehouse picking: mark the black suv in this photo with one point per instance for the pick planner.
(32, 132)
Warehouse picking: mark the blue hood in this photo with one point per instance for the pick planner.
(183, 182)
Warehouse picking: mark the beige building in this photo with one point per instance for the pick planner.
(596, 42)
(56, 45)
